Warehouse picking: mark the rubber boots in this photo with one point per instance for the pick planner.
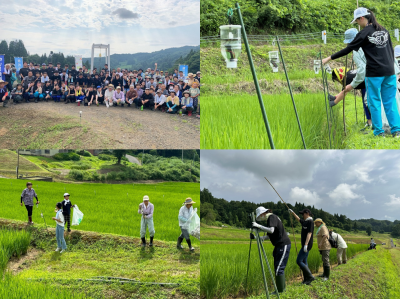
(143, 242)
(151, 241)
(280, 284)
(178, 245)
(308, 277)
(327, 272)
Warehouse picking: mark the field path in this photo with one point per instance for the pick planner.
(133, 159)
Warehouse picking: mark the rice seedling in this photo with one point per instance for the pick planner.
(224, 267)
(107, 208)
(12, 243)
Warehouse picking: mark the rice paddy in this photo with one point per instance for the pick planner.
(107, 208)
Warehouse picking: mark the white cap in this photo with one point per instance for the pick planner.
(397, 51)
(231, 64)
(145, 198)
(66, 194)
(259, 211)
(360, 12)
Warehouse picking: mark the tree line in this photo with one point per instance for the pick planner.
(217, 211)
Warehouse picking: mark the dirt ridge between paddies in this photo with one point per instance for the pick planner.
(89, 237)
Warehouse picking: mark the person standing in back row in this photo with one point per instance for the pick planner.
(146, 209)
(380, 78)
(27, 198)
(66, 210)
(279, 239)
(307, 232)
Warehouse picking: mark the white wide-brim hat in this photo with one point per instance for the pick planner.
(259, 211)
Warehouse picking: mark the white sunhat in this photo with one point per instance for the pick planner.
(360, 12)
(145, 198)
(259, 211)
(397, 51)
(66, 194)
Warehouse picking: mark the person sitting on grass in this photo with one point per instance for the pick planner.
(79, 94)
(118, 97)
(194, 94)
(99, 96)
(56, 93)
(159, 101)
(47, 91)
(59, 219)
(187, 103)
(131, 95)
(66, 210)
(146, 101)
(17, 94)
(279, 238)
(71, 94)
(172, 103)
(38, 93)
(324, 247)
(185, 213)
(108, 95)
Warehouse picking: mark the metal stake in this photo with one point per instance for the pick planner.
(326, 105)
(253, 71)
(344, 97)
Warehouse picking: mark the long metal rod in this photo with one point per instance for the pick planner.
(261, 261)
(253, 71)
(248, 265)
(326, 104)
(291, 94)
(269, 268)
(354, 91)
(344, 97)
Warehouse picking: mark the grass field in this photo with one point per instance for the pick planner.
(107, 208)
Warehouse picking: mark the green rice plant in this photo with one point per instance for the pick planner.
(236, 122)
(12, 243)
(107, 208)
(224, 267)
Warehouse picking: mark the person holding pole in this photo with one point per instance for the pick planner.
(146, 209)
(307, 232)
(185, 214)
(27, 198)
(277, 235)
(324, 247)
(380, 79)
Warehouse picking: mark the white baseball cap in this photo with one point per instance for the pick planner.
(259, 211)
(66, 194)
(145, 198)
(360, 12)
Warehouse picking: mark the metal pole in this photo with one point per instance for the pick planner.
(248, 263)
(261, 261)
(291, 94)
(253, 71)
(344, 97)
(354, 91)
(269, 269)
(326, 105)
(18, 162)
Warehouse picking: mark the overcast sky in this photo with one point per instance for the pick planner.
(358, 184)
(72, 26)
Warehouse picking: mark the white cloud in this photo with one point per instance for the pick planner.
(394, 201)
(366, 201)
(360, 173)
(388, 217)
(343, 194)
(382, 180)
(305, 196)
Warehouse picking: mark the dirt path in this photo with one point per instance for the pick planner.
(26, 125)
(16, 265)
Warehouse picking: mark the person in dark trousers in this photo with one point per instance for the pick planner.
(27, 199)
(66, 210)
(307, 232)
(4, 95)
(184, 216)
(279, 238)
(380, 78)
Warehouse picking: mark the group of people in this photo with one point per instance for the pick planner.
(151, 89)
(376, 75)
(279, 238)
(146, 209)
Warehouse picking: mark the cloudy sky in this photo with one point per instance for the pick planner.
(358, 184)
(129, 26)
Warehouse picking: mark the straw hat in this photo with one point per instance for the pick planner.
(110, 85)
(188, 201)
(319, 220)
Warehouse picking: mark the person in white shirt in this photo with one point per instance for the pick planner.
(159, 101)
(185, 214)
(61, 245)
(108, 95)
(146, 209)
(44, 78)
(341, 249)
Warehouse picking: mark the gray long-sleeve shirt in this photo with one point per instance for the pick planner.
(27, 196)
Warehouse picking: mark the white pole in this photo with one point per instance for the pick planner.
(91, 60)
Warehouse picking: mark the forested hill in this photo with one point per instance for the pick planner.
(295, 16)
(166, 59)
(218, 210)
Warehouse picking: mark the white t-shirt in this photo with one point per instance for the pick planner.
(340, 240)
(60, 217)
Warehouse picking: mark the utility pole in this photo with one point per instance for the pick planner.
(17, 162)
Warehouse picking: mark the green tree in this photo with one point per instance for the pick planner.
(207, 213)
(119, 154)
(4, 50)
(369, 230)
(355, 227)
(396, 231)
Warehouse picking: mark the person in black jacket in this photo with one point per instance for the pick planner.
(80, 80)
(380, 78)
(280, 240)
(73, 72)
(47, 88)
(4, 97)
(23, 72)
(66, 207)
(56, 93)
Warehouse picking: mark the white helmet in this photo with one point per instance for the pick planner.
(259, 211)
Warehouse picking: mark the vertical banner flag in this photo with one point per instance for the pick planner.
(184, 69)
(2, 66)
(78, 61)
(18, 63)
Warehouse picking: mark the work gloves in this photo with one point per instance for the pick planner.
(255, 224)
(305, 248)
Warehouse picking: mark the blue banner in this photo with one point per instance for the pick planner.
(18, 63)
(2, 66)
(184, 69)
